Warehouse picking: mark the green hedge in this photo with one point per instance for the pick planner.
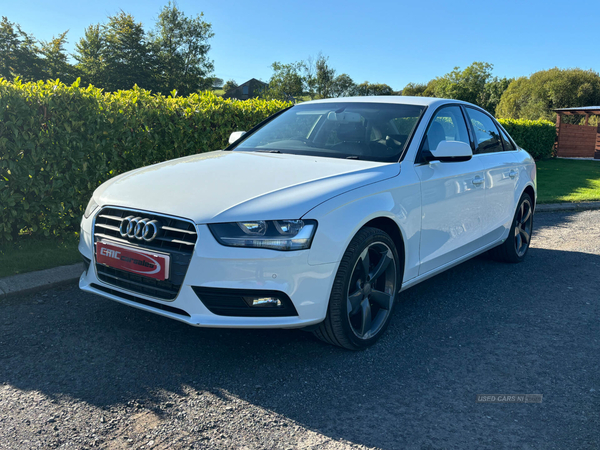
(59, 142)
(535, 136)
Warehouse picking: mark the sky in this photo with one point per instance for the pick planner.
(392, 42)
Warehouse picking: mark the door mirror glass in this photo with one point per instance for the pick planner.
(235, 136)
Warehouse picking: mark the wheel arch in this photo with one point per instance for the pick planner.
(529, 190)
(390, 227)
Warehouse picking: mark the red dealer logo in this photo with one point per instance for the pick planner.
(149, 264)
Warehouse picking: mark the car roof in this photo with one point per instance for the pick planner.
(393, 99)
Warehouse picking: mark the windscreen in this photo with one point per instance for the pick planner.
(365, 131)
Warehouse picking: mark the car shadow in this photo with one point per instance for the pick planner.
(480, 328)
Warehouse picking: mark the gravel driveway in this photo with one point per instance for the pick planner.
(78, 371)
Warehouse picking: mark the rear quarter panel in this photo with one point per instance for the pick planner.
(527, 174)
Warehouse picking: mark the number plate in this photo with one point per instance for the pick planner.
(142, 262)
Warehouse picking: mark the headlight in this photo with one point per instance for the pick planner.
(272, 234)
(91, 207)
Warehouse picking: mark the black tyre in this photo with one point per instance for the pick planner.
(515, 248)
(364, 291)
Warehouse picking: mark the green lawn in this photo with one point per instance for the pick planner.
(34, 254)
(567, 180)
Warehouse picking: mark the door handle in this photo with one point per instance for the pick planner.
(477, 180)
(512, 173)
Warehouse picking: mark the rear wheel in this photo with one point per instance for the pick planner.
(515, 247)
(364, 291)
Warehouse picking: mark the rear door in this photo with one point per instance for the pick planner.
(499, 161)
(452, 195)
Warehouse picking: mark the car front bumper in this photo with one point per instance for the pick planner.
(215, 266)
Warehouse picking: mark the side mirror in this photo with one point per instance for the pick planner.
(451, 151)
(235, 136)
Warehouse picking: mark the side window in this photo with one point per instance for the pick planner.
(487, 136)
(447, 125)
(508, 144)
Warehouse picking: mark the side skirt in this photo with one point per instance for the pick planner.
(413, 281)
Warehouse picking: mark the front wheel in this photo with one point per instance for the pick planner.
(515, 247)
(364, 291)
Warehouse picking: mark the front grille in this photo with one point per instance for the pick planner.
(177, 237)
(176, 234)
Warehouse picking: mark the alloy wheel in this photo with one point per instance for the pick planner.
(523, 227)
(371, 290)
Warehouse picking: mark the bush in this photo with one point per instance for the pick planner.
(58, 143)
(535, 136)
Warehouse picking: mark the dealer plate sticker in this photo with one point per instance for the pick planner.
(149, 264)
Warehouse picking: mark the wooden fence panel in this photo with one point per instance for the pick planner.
(577, 141)
(597, 154)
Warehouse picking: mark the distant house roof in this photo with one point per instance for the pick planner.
(254, 80)
(246, 90)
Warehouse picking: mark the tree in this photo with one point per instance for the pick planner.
(286, 83)
(126, 53)
(343, 86)
(217, 83)
(18, 53)
(54, 63)
(536, 96)
(381, 89)
(174, 56)
(367, 88)
(309, 77)
(231, 84)
(89, 53)
(181, 48)
(492, 92)
(430, 88)
(414, 89)
(324, 77)
(116, 55)
(474, 84)
(466, 85)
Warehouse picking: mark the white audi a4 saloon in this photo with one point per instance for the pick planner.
(317, 218)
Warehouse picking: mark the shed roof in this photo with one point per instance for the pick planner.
(579, 110)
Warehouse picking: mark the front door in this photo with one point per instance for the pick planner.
(452, 196)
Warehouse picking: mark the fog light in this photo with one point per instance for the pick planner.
(264, 302)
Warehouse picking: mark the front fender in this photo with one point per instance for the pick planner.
(341, 217)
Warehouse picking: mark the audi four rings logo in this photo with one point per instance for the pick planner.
(139, 228)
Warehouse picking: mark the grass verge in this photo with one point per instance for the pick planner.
(28, 255)
(567, 180)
